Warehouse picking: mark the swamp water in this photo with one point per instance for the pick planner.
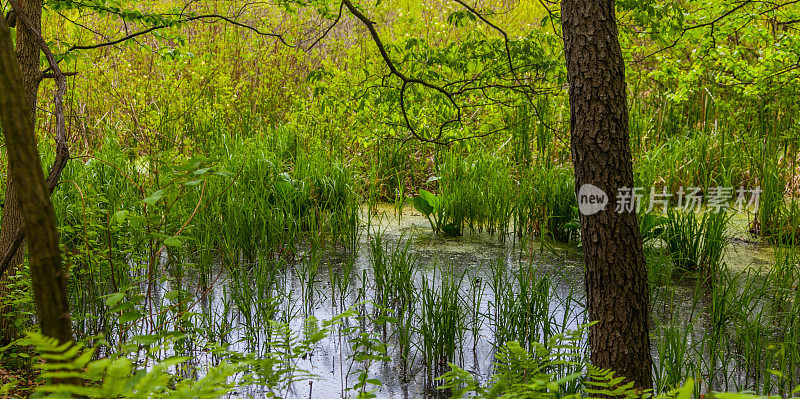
(487, 274)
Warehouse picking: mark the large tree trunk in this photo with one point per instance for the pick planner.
(27, 54)
(616, 274)
(38, 217)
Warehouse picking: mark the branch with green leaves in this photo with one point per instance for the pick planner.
(440, 91)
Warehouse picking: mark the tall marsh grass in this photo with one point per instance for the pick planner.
(696, 243)
(738, 334)
(442, 322)
(522, 311)
(249, 203)
(393, 270)
(232, 184)
(477, 192)
(547, 204)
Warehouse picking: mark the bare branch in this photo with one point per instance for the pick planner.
(329, 28)
(184, 20)
(370, 25)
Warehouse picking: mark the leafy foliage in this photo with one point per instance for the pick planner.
(118, 377)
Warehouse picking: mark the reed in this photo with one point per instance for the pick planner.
(696, 244)
(393, 269)
(342, 282)
(522, 312)
(475, 295)
(476, 192)
(660, 268)
(676, 360)
(547, 204)
(441, 320)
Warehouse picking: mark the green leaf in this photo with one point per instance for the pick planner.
(130, 315)
(173, 242)
(172, 295)
(120, 307)
(152, 199)
(114, 299)
(433, 200)
(145, 339)
(686, 391)
(173, 361)
(422, 206)
(776, 373)
(118, 374)
(120, 217)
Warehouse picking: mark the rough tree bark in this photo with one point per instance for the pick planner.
(616, 274)
(27, 54)
(38, 217)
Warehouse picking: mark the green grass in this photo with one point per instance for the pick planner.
(695, 243)
(676, 361)
(393, 271)
(521, 305)
(547, 204)
(477, 192)
(442, 321)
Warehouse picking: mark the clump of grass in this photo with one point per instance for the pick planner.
(342, 282)
(547, 204)
(256, 296)
(691, 160)
(485, 192)
(782, 221)
(777, 215)
(307, 269)
(675, 357)
(736, 333)
(304, 197)
(659, 266)
(477, 192)
(771, 202)
(475, 294)
(783, 297)
(651, 226)
(393, 271)
(522, 311)
(724, 308)
(398, 168)
(442, 321)
(696, 244)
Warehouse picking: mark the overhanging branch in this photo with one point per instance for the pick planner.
(181, 21)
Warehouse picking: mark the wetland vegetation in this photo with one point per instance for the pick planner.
(330, 199)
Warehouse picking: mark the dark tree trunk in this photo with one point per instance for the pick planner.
(616, 274)
(27, 54)
(38, 217)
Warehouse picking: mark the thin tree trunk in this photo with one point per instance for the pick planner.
(616, 274)
(27, 54)
(47, 274)
(12, 221)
